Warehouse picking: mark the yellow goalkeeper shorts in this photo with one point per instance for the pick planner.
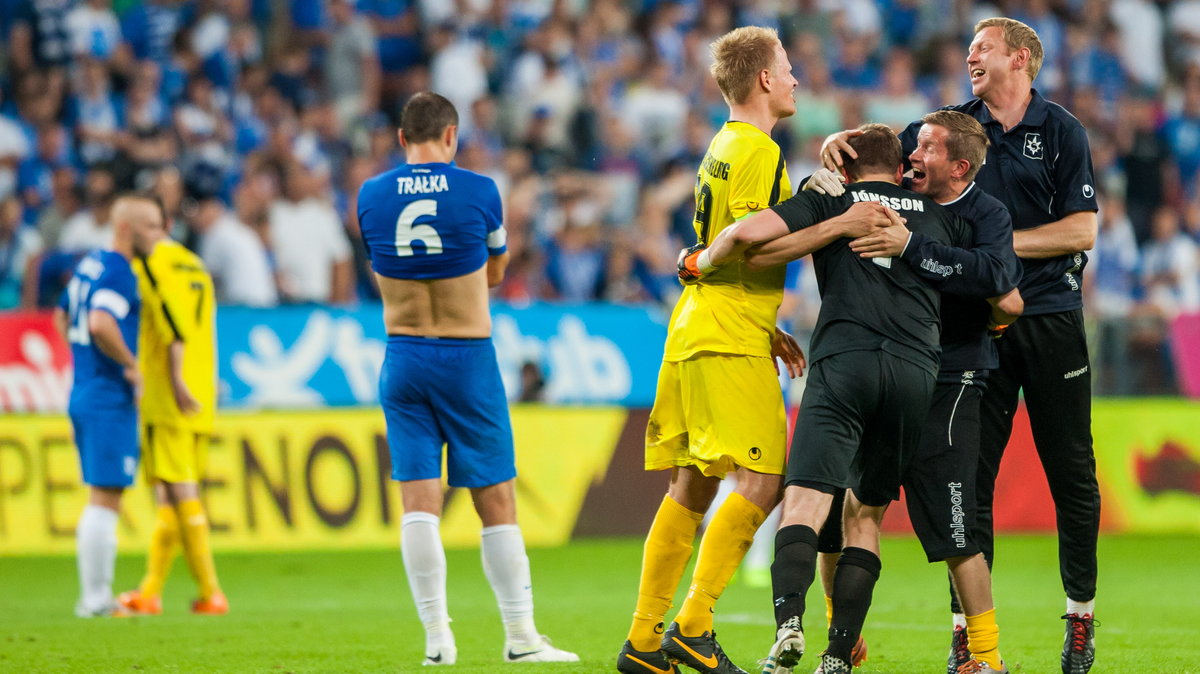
(173, 453)
(718, 412)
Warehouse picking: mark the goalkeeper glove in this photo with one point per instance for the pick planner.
(693, 263)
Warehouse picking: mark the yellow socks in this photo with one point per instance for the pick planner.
(722, 548)
(828, 610)
(667, 551)
(983, 638)
(193, 527)
(163, 540)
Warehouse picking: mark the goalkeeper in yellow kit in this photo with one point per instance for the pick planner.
(177, 353)
(718, 408)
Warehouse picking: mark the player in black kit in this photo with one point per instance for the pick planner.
(875, 357)
(1039, 165)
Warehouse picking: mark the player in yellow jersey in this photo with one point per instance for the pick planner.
(718, 408)
(177, 354)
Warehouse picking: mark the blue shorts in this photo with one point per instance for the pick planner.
(448, 392)
(107, 442)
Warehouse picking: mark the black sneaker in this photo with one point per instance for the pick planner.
(1079, 644)
(701, 653)
(959, 653)
(632, 661)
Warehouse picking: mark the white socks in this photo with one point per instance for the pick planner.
(507, 569)
(425, 566)
(1081, 608)
(960, 620)
(96, 550)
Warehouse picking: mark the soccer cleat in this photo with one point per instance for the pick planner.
(833, 665)
(214, 605)
(112, 610)
(787, 650)
(538, 651)
(1079, 643)
(445, 655)
(960, 654)
(631, 661)
(974, 666)
(136, 604)
(701, 653)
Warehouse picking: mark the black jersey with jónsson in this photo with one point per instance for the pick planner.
(869, 305)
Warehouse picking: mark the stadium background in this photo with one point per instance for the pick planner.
(256, 120)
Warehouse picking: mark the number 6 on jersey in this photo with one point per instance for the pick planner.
(407, 232)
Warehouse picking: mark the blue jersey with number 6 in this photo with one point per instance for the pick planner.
(430, 221)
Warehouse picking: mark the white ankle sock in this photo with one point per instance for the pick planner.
(507, 569)
(960, 620)
(96, 551)
(425, 566)
(1081, 608)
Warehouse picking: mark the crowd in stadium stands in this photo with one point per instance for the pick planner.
(257, 120)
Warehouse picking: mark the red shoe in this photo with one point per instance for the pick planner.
(214, 605)
(136, 604)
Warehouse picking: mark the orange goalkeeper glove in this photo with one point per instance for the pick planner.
(693, 263)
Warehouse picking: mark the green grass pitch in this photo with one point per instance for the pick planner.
(351, 612)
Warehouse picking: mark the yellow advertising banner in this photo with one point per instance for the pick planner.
(303, 480)
(1148, 461)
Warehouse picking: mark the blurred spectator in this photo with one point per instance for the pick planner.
(19, 249)
(150, 27)
(96, 115)
(94, 30)
(309, 243)
(1171, 267)
(233, 253)
(90, 228)
(34, 177)
(1145, 156)
(38, 37)
(899, 102)
(1140, 23)
(66, 198)
(14, 148)
(1111, 296)
(1181, 132)
(352, 75)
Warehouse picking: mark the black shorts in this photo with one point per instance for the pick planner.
(859, 424)
(939, 487)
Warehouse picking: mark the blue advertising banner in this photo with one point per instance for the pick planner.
(318, 356)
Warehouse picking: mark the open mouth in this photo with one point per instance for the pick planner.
(917, 175)
(976, 73)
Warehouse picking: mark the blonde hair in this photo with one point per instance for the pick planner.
(1017, 36)
(738, 57)
(966, 138)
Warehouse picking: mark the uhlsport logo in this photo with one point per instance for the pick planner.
(1033, 145)
(755, 453)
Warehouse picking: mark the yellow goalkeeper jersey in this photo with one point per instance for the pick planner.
(732, 310)
(177, 304)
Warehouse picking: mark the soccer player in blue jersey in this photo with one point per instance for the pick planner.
(98, 316)
(436, 239)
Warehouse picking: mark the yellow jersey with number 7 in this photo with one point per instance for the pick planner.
(178, 303)
(732, 310)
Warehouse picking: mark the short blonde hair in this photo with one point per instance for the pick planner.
(966, 138)
(1017, 35)
(738, 57)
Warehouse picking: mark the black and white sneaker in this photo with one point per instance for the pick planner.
(1079, 643)
(833, 665)
(787, 649)
(444, 655)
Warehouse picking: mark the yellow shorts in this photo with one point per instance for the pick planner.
(718, 413)
(173, 453)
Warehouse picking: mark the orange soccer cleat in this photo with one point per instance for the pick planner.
(214, 605)
(136, 604)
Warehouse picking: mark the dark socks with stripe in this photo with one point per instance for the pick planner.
(793, 571)
(853, 585)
